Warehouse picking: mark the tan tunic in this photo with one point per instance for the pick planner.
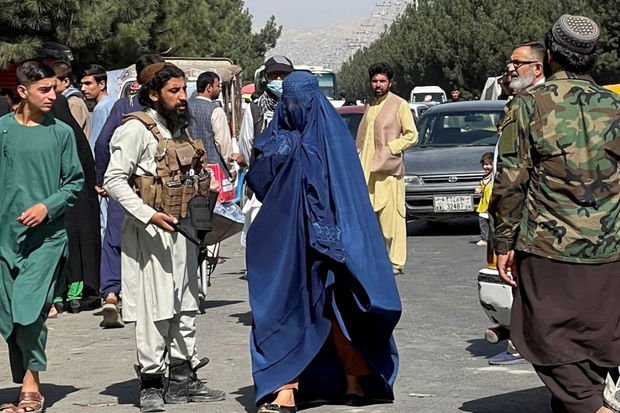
(387, 192)
(80, 112)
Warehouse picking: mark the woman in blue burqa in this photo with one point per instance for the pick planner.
(323, 296)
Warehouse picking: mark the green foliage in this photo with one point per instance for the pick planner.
(459, 43)
(115, 32)
(21, 34)
(607, 14)
(23, 48)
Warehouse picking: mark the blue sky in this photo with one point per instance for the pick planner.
(303, 14)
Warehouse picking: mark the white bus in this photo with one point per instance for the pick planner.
(326, 78)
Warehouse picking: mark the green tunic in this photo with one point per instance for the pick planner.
(37, 165)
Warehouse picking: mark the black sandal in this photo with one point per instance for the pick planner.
(356, 400)
(276, 408)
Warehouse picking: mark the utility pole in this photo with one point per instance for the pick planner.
(381, 18)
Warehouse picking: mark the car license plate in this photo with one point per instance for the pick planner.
(453, 203)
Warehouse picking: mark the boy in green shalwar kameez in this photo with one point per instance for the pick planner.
(40, 176)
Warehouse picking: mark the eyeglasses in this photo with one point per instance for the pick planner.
(518, 63)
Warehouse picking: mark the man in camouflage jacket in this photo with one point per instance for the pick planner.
(556, 214)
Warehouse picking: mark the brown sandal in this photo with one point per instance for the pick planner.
(8, 408)
(31, 402)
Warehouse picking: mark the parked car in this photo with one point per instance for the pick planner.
(352, 115)
(443, 169)
(427, 94)
(47, 52)
(418, 109)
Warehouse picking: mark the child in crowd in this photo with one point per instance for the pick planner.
(485, 191)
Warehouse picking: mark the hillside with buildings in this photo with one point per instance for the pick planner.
(324, 46)
(330, 46)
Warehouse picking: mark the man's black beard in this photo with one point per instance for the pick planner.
(177, 118)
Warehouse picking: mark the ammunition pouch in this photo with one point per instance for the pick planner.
(148, 189)
(200, 213)
(180, 173)
(172, 196)
(198, 224)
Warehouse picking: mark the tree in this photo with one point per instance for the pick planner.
(24, 26)
(606, 13)
(212, 28)
(459, 43)
(115, 32)
(89, 28)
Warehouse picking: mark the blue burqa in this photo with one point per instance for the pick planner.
(315, 253)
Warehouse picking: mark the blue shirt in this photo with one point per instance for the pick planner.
(100, 114)
(115, 118)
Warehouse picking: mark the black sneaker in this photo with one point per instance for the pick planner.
(152, 400)
(60, 307)
(111, 316)
(185, 386)
(198, 392)
(75, 306)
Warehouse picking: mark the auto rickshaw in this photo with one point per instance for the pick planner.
(227, 218)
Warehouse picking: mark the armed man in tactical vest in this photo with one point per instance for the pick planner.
(155, 173)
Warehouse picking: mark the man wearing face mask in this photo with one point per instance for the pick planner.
(260, 112)
(256, 118)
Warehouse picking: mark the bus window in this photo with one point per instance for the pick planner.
(327, 84)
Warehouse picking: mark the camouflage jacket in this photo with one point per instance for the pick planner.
(557, 189)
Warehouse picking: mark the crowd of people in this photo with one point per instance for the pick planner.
(147, 177)
(103, 205)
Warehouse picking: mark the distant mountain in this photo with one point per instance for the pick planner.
(324, 46)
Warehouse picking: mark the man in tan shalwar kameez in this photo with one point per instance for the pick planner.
(386, 130)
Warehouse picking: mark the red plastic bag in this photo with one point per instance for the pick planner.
(221, 182)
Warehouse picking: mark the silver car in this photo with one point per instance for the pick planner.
(443, 169)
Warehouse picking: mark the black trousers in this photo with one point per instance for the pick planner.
(576, 387)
